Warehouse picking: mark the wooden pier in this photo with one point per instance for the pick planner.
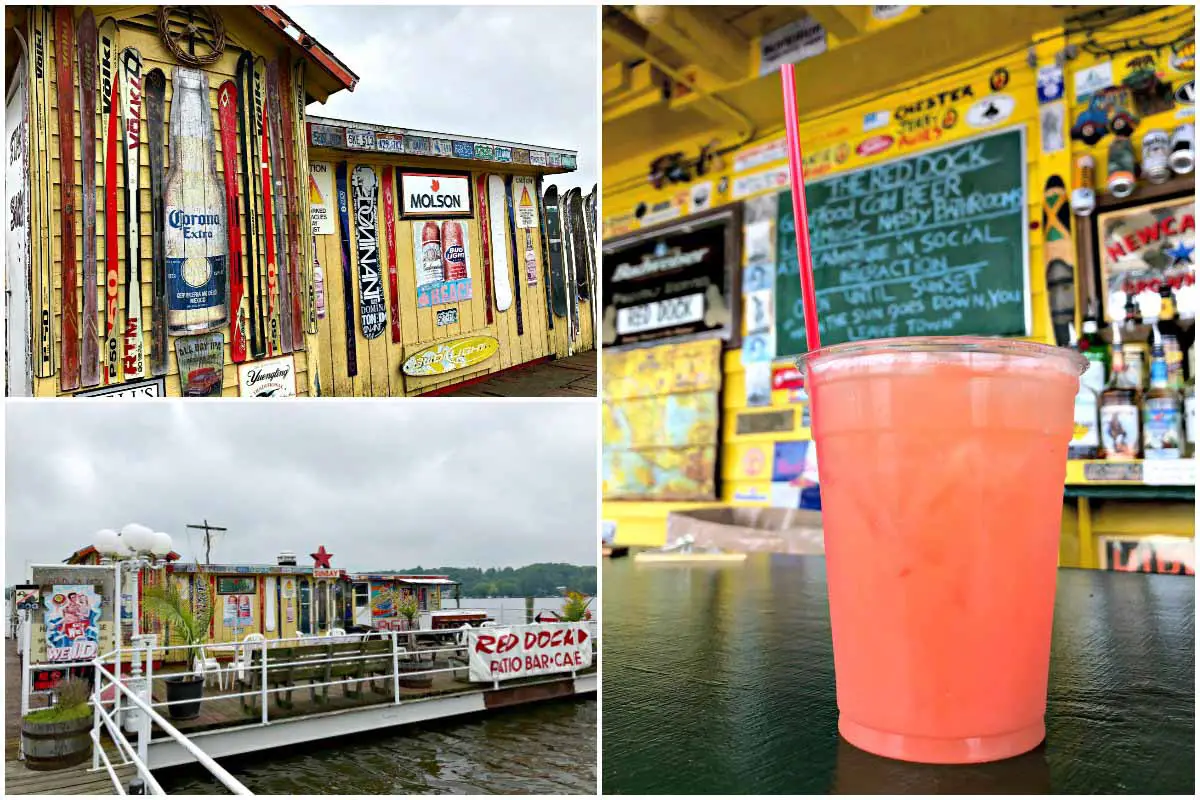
(574, 376)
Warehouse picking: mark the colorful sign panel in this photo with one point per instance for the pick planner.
(27, 597)
(327, 135)
(548, 648)
(1165, 555)
(442, 260)
(673, 282)
(321, 197)
(72, 623)
(446, 357)
(154, 387)
(435, 194)
(201, 360)
(275, 377)
(1143, 247)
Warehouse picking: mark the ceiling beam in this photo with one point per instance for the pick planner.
(844, 22)
(699, 37)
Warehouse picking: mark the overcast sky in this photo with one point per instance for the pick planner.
(528, 74)
(381, 485)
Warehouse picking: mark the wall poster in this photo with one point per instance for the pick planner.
(442, 259)
(1142, 247)
(320, 197)
(72, 623)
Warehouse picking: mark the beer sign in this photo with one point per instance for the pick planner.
(446, 357)
(435, 194)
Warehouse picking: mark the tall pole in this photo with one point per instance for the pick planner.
(208, 529)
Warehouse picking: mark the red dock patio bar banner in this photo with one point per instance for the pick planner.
(502, 653)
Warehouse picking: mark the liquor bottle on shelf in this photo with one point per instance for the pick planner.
(1135, 338)
(1169, 328)
(1120, 414)
(1189, 407)
(1085, 441)
(1162, 414)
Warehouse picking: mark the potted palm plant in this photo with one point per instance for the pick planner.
(406, 606)
(166, 602)
(575, 608)
(59, 737)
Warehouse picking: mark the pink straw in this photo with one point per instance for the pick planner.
(808, 293)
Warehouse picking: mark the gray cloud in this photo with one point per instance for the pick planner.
(522, 73)
(382, 485)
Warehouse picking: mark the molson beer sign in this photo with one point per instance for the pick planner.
(435, 194)
(446, 357)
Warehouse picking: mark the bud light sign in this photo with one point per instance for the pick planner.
(435, 194)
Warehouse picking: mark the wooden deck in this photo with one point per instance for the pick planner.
(76, 780)
(564, 377)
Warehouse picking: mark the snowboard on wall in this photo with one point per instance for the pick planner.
(1060, 257)
(156, 93)
(133, 360)
(499, 220)
(366, 241)
(246, 137)
(579, 245)
(569, 266)
(227, 101)
(512, 254)
(343, 198)
(110, 132)
(558, 280)
(87, 155)
(64, 49)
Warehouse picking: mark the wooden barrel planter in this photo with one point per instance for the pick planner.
(417, 681)
(56, 745)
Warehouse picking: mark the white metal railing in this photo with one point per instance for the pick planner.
(132, 700)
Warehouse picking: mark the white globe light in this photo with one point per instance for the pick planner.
(162, 544)
(107, 542)
(137, 538)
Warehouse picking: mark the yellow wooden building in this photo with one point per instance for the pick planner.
(876, 85)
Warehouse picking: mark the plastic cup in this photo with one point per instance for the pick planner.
(942, 468)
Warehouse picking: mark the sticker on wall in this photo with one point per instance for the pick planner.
(524, 193)
(435, 194)
(442, 258)
(446, 316)
(873, 120)
(274, 377)
(701, 197)
(758, 347)
(882, 13)
(320, 197)
(759, 310)
(1053, 116)
(72, 623)
(756, 156)
(758, 384)
(201, 361)
(874, 146)
(446, 357)
(794, 42)
(1049, 83)
(991, 110)
(27, 597)
(1185, 95)
(155, 387)
(767, 180)
(786, 377)
(1092, 79)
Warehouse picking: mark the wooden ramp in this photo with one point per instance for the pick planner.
(76, 780)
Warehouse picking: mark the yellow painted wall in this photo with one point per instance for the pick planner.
(379, 360)
(829, 141)
(137, 27)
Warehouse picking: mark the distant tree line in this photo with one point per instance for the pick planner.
(533, 580)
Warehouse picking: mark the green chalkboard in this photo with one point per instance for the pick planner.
(931, 244)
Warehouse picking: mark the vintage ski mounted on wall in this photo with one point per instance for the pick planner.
(87, 133)
(64, 50)
(156, 94)
(132, 349)
(308, 257)
(227, 100)
(343, 200)
(272, 123)
(512, 253)
(196, 246)
(246, 138)
(366, 240)
(45, 358)
(297, 294)
(485, 248)
(389, 229)
(269, 255)
(110, 132)
(558, 280)
(499, 220)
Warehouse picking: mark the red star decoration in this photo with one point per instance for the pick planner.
(322, 558)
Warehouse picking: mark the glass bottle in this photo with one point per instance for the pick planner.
(1189, 406)
(1162, 417)
(1120, 415)
(1085, 441)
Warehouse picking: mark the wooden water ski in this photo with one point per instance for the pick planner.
(265, 189)
(274, 135)
(87, 135)
(545, 252)
(132, 353)
(296, 269)
(227, 101)
(45, 358)
(558, 279)
(389, 232)
(110, 133)
(64, 48)
(516, 270)
(246, 124)
(308, 243)
(343, 197)
(485, 228)
(366, 239)
(498, 221)
(156, 96)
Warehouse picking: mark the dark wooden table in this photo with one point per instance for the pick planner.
(719, 679)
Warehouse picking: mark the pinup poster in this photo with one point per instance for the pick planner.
(72, 623)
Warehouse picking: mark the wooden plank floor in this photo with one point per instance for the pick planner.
(73, 781)
(574, 376)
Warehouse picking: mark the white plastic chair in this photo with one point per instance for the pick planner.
(206, 665)
(337, 632)
(244, 651)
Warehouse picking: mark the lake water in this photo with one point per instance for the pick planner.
(508, 610)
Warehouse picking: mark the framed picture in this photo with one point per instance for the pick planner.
(1142, 247)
